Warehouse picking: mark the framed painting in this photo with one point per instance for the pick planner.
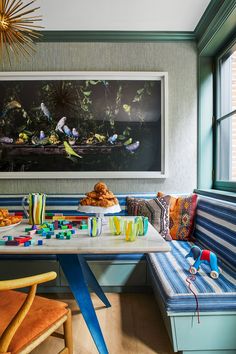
(83, 124)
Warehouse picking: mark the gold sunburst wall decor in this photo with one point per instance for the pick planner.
(18, 28)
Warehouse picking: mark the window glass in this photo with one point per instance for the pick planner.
(226, 120)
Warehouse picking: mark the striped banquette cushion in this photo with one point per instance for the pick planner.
(215, 228)
(169, 272)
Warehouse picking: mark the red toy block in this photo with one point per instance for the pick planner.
(22, 239)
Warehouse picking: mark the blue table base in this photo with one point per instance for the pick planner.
(80, 277)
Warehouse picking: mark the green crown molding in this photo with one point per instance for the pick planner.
(115, 36)
(220, 28)
(210, 12)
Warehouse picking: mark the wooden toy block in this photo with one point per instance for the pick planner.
(70, 226)
(28, 229)
(9, 238)
(83, 227)
(40, 242)
(12, 243)
(61, 237)
(2, 242)
(22, 239)
(27, 244)
(68, 237)
(64, 227)
(39, 231)
(45, 229)
(48, 236)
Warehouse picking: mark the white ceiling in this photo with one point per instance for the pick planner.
(136, 15)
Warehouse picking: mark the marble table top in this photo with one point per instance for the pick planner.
(82, 243)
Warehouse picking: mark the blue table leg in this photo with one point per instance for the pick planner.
(73, 270)
(92, 281)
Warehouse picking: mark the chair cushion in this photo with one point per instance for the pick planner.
(169, 272)
(42, 314)
(216, 228)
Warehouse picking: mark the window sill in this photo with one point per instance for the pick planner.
(217, 194)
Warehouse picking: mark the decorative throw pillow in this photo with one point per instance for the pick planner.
(182, 213)
(157, 211)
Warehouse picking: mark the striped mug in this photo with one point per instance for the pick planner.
(37, 206)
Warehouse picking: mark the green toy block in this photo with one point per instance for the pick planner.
(64, 227)
(48, 236)
(39, 231)
(68, 237)
(61, 237)
(83, 227)
(27, 229)
(2, 242)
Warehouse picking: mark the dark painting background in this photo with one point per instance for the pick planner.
(130, 109)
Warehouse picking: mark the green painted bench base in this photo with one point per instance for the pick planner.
(215, 334)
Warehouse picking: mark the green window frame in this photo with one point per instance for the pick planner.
(222, 123)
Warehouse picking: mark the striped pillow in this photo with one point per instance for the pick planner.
(157, 211)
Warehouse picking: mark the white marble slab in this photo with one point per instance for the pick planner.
(81, 243)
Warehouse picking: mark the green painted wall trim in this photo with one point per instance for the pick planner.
(220, 28)
(217, 194)
(225, 186)
(115, 36)
(205, 114)
(210, 12)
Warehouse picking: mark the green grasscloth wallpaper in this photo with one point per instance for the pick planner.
(179, 59)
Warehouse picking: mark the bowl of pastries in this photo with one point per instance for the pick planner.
(101, 196)
(8, 221)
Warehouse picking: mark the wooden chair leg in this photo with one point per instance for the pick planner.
(67, 325)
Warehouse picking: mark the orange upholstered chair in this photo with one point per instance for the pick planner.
(27, 320)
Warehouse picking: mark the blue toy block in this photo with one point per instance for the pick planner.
(27, 244)
(40, 242)
(72, 231)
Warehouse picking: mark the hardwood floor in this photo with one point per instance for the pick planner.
(133, 325)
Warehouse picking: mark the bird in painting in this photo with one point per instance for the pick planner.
(75, 133)
(61, 124)
(133, 147)
(41, 135)
(70, 151)
(112, 138)
(45, 111)
(67, 130)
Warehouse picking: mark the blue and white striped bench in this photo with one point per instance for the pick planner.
(215, 230)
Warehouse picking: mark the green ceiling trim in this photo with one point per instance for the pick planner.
(220, 29)
(115, 36)
(210, 12)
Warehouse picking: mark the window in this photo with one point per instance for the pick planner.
(225, 163)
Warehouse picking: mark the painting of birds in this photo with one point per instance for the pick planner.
(45, 111)
(61, 124)
(112, 138)
(70, 151)
(133, 147)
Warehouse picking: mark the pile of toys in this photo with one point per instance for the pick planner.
(47, 230)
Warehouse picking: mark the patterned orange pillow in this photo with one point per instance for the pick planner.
(182, 212)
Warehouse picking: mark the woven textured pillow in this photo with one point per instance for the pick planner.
(157, 211)
(182, 213)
